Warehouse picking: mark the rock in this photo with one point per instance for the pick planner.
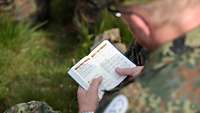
(122, 47)
(113, 36)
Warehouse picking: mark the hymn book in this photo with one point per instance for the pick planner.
(102, 61)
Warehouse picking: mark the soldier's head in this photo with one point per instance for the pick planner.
(161, 21)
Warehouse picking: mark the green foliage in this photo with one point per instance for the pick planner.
(13, 38)
(10, 30)
(33, 68)
(105, 22)
(128, 2)
(62, 10)
(34, 64)
(108, 21)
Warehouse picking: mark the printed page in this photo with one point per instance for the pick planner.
(87, 70)
(109, 58)
(102, 61)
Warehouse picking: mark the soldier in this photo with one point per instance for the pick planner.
(170, 80)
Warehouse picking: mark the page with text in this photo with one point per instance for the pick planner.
(109, 58)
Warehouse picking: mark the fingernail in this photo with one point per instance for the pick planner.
(100, 78)
(118, 70)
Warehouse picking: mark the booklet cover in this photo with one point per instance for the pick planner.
(102, 61)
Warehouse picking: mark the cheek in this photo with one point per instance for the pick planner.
(141, 31)
(142, 37)
(140, 24)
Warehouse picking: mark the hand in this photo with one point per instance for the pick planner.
(131, 72)
(88, 100)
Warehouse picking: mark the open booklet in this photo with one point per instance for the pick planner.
(102, 61)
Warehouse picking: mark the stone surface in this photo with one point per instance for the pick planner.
(113, 35)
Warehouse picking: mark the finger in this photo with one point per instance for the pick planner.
(139, 70)
(81, 91)
(130, 71)
(95, 84)
(125, 71)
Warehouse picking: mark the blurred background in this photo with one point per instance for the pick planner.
(40, 41)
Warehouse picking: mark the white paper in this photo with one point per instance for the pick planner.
(102, 61)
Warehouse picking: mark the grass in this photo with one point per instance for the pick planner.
(33, 66)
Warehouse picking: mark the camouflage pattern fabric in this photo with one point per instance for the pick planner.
(31, 107)
(170, 82)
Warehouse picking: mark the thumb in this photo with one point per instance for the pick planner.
(95, 84)
(125, 71)
(129, 71)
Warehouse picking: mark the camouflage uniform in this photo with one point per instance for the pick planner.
(31, 107)
(170, 82)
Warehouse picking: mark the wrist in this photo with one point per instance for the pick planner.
(88, 112)
(81, 111)
(85, 108)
